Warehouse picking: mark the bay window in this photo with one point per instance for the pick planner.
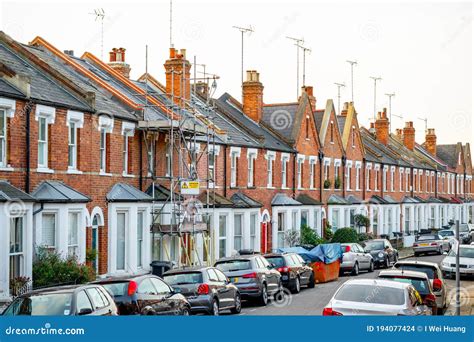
(120, 243)
(140, 227)
(3, 138)
(238, 232)
(73, 230)
(49, 231)
(16, 247)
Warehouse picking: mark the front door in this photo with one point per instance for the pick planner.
(95, 243)
(263, 237)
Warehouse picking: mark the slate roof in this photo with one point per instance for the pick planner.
(241, 200)
(282, 118)
(354, 199)
(58, 192)
(104, 102)
(337, 200)
(447, 153)
(9, 90)
(10, 193)
(215, 200)
(341, 122)
(376, 199)
(261, 136)
(283, 200)
(42, 87)
(162, 193)
(122, 192)
(318, 118)
(307, 200)
(408, 199)
(390, 200)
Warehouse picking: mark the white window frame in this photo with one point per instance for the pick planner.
(47, 115)
(234, 154)
(384, 178)
(75, 121)
(285, 158)
(251, 158)
(392, 179)
(348, 175)
(358, 168)
(299, 170)
(368, 170)
(106, 126)
(270, 157)
(400, 176)
(128, 131)
(18, 253)
(140, 241)
(407, 180)
(312, 172)
(376, 176)
(126, 229)
(327, 165)
(73, 245)
(3, 138)
(8, 107)
(55, 233)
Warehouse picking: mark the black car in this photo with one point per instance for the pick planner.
(253, 275)
(293, 269)
(74, 300)
(145, 295)
(382, 252)
(207, 289)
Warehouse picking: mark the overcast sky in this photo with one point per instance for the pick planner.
(422, 50)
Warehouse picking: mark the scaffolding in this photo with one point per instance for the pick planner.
(182, 219)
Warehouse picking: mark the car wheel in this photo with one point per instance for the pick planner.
(371, 266)
(297, 286)
(185, 312)
(355, 269)
(238, 305)
(311, 283)
(387, 262)
(264, 296)
(215, 308)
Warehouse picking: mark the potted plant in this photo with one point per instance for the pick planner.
(327, 184)
(337, 183)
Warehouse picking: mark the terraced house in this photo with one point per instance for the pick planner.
(93, 160)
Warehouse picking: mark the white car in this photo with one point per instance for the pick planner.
(376, 297)
(466, 261)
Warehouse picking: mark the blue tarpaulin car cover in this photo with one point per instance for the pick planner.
(327, 253)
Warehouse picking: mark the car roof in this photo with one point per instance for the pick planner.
(57, 289)
(239, 257)
(416, 262)
(193, 269)
(377, 282)
(122, 278)
(279, 254)
(376, 240)
(405, 273)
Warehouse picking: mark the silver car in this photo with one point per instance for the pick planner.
(376, 297)
(433, 271)
(466, 262)
(354, 259)
(430, 243)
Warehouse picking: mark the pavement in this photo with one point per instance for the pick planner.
(312, 301)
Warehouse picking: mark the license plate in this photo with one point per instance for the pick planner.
(236, 280)
(284, 277)
(424, 244)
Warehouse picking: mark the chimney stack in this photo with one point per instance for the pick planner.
(409, 135)
(381, 127)
(202, 88)
(309, 91)
(399, 133)
(252, 96)
(117, 62)
(430, 141)
(178, 76)
(345, 108)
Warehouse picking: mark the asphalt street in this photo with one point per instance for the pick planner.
(312, 301)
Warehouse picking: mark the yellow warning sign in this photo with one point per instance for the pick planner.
(190, 187)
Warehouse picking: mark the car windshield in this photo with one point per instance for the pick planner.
(183, 278)
(277, 260)
(233, 265)
(463, 252)
(426, 237)
(429, 271)
(374, 245)
(446, 233)
(54, 304)
(420, 285)
(117, 289)
(371, 294)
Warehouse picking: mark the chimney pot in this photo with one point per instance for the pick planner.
(178, 72)
(430, 141)
(381, 127)
(117, 62)
(409, 135)
(252, 96)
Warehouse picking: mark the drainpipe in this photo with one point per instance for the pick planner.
(141, 160)
(225, 170)
(364, 190)
(29, 105)
(295, 155)
(411, 182)
(321, 185)
(344, 159)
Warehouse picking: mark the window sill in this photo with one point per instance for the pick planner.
(73, 172)
(6, 169)
(127, 175)
(270, 187)
(251, 187)
(101, 173)
(44, 170)
(285, 188)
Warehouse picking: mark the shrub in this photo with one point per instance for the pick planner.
(337, 183)
(345, 235)
(91, 255)
(327, 184)
(361, 221)
(50, 269)
(365, 236)
(292, 238)
(328, 234)
(18, 284)
(310, 237)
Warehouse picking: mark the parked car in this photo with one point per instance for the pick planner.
(207, 289)
(382, 252)
(430, 243)
(419, 280)
(466, 232)
(433, 271)
(74, 300)
(145, 295)
(253, 275)
(376, 297)
(466, 262)
(293, 269)
(449, 235)
(355, 259)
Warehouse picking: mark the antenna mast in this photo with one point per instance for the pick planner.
(352, 63)
(298, 42)
(339, 86)
(99, 14)
(390, 95)
(375, 94)
(305, 49)
(243, 30)
(171, 23)
(426, 123)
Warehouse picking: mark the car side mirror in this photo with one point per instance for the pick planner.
(85, 311)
